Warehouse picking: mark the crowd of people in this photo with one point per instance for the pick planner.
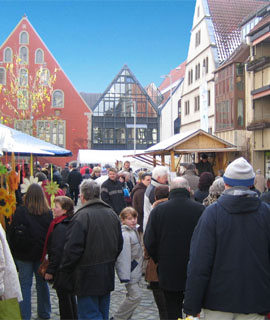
(201, 242)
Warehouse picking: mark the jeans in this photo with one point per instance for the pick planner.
(26, 270)
(93, 307)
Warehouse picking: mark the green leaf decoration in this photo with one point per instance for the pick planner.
(3, 169)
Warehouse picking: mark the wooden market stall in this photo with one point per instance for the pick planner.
(170, 151)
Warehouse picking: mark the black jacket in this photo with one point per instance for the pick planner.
(168, 234)
(112, 193)
(74, 179)
(55, 246)
(93, 243)
(229, 267)
(28, 233)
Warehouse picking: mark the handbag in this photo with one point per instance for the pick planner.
(10, 309)
(43, 267)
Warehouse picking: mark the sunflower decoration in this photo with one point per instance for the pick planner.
(52, 188)
(7, 203)
(27, 182)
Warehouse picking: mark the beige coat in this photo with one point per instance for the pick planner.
(9, 282)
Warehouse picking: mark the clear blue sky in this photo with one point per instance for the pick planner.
(92, 40)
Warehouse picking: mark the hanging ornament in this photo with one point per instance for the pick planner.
(7, 203)
(28, 182)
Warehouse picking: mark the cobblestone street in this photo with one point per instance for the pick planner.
(147, 309)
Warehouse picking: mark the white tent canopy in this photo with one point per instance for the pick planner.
(86, 156)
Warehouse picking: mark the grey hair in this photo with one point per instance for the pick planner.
(217, 187)
(179, 182)
(90, 189)
(160, 171)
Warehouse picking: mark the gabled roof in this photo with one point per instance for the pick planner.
(90, 98)
(126, 68)
(226, 17)
(177, 141)
(176, 74)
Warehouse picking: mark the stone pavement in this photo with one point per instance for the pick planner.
(147, 309)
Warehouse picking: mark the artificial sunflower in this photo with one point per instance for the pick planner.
(7, 203)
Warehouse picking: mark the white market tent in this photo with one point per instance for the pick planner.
(86, 156)
(13, 141)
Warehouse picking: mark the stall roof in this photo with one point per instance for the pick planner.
(21, 143)
(178, 143)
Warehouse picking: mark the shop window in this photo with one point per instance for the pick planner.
(52, 131)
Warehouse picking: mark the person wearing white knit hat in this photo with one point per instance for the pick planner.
(229, 268)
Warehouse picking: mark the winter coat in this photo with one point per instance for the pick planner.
(9, 282)
(93, 243)
(200, 195)
(28, 233)
(229, 267)
(74, 179)
(138, 201)
(112, 193)
(192, 179)
(149, 199)
(204, 167)
(151, 268)
(64, 174)
(55, 246)
(168, 234)
(129, 263)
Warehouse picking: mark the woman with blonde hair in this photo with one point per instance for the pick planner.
(28, 231)
(95, 173)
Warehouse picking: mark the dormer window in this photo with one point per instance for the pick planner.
(7, 55)
(24, 37)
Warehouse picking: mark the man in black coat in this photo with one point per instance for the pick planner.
(167, 240)
(94, 241)
(74, 180)
(112, 192)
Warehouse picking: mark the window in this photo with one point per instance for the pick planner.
(120, 135)
(197, 38)
(209, 98)
(197, 71)
(108, 136)
(224, 115)
(23, 126)
(97, 135)
(197, 103)
(58, 99)
(22, 96)
(2, 76)
(198, 11)
(7, 55)
(206, 65)
(24, 38)
(24, 55)
(186, 107)
(240, 113)
(52, 131)
(44, 76)
(39, 56)
(23, 78)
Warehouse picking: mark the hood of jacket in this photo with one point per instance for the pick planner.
(139, 186)
(239, 200)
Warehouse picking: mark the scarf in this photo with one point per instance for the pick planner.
(50, 230)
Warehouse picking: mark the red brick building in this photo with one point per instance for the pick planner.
(62, 117)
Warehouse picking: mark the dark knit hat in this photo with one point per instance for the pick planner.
(239, 173)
